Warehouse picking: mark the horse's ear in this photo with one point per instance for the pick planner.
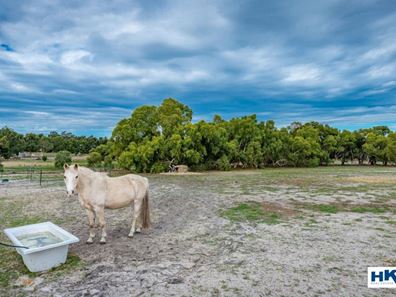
(65, 166)
(75, 166)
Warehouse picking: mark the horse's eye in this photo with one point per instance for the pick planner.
(64, 177)
(76, 176)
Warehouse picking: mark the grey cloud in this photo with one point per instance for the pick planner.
(92, 55)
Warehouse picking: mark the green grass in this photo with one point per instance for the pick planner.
(392, 195)
(326, 208)
(371, 209)
(11, 265)
(333, 208)
(251, 211)
(11, 214)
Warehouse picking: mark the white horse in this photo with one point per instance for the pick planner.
(96, 191)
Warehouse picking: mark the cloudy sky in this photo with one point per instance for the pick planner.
(81, 66)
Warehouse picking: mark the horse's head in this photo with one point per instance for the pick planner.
(70, 176)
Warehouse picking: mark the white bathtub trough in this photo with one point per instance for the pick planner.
(47, 244)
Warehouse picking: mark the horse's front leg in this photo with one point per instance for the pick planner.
(102, 224)
(91, 222)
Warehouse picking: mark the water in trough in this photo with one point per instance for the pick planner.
(38, 239)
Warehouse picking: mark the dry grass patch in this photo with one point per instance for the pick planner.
(372, 179)
(283, 212)
(298, 182)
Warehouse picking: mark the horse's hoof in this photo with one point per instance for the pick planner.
(130, 235)
(89, 241)
(102, 241)
(138, 230)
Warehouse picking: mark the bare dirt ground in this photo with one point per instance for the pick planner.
(192, 250)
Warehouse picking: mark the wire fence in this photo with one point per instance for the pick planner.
(40, 177)
(30, 176)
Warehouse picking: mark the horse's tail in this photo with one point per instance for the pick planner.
(145, 211)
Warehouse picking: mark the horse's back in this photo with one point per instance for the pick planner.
(122, 190)
(138, 178)
(129, 178)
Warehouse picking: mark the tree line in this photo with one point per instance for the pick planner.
(155, 137)
(12, 143)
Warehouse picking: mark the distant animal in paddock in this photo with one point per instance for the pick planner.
(97, 191)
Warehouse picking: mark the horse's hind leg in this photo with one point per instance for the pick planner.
(100, 214)
(139, 225)
(136, 213)
(91, 221)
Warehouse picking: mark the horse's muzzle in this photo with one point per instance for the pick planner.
(70, 194)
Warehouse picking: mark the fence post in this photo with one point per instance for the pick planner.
(41, 176)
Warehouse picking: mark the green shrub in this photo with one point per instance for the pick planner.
(158, 167)
(44, 158)
(125, 161)
(108, 162)
(61, 158)
(94, 159)
(315, 162)
(200, 167)
(223, 163)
